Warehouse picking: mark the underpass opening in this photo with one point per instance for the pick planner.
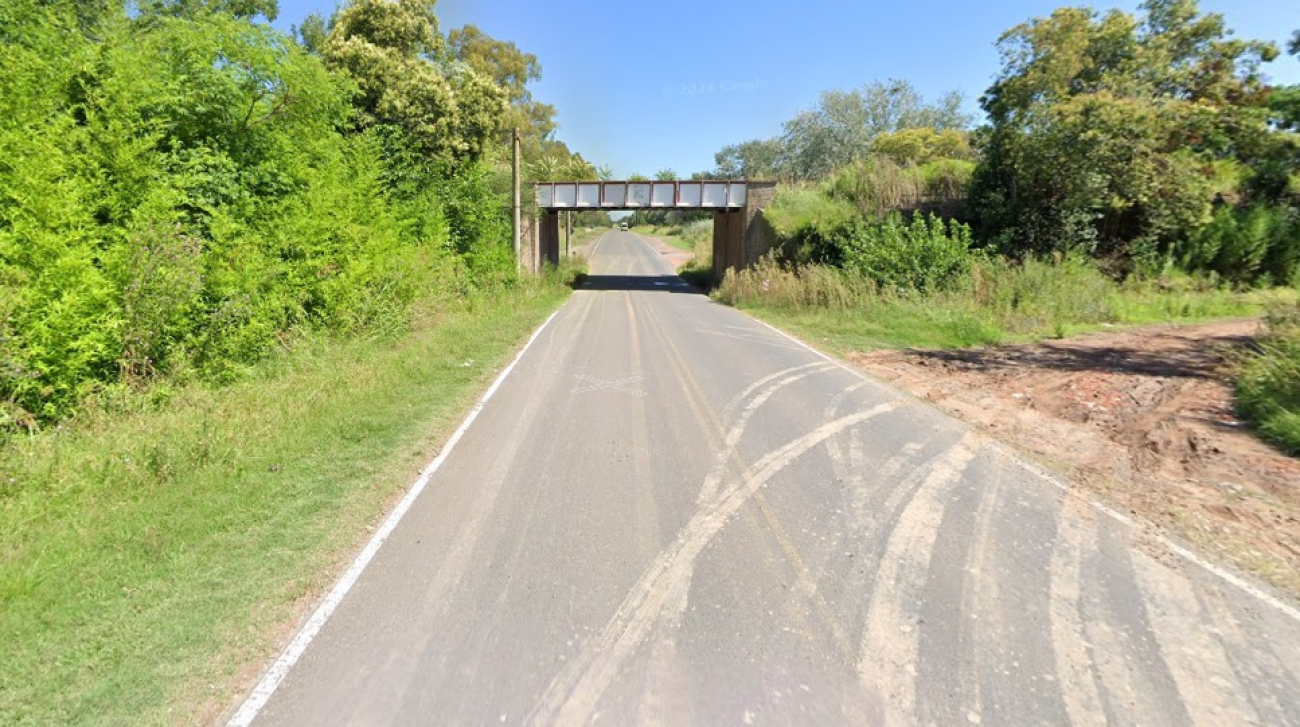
(740, 233)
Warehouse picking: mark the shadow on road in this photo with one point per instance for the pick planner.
(658, 283)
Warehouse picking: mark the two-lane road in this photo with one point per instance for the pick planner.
(670, 514)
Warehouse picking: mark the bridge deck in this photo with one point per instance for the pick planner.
(629, 195)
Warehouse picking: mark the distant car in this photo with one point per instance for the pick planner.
(622, 226)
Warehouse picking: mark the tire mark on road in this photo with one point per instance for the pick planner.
(887, 654)
(1195, 657)
(1135, 683)
(709, 490)
(1269, 680)
(1075, 672)
(572, 697)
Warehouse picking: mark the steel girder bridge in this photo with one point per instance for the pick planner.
(740, 235)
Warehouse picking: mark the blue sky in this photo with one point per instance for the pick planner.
(648, 86)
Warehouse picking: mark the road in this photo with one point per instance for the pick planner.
(671, 514)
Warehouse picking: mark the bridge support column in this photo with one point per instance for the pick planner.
(548, 241)
(728, 242)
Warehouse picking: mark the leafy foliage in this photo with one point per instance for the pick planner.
(924, 253)
(841, 130)
(394, 51)
(184, 187)
(1105, 130)
(1268, 389)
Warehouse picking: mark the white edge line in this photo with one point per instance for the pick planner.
(270, 681)
(1063, 485)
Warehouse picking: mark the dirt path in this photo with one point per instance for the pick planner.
(1142, 417)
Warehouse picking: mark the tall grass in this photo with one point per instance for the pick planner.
(995, 299)
(1268, 386)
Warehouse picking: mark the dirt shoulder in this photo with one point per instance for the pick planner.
(1142, 417)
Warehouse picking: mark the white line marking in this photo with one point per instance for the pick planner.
(1224, 574)
(257, 699)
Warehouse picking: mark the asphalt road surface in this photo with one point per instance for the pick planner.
(671, 514)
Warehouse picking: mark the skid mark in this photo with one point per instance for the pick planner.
(848, 470)
(980, 594)
(572, 697)
(709, 490)
(1264, 674)
(887, 655)
(1075, 672)
(1135, 684)
(736, 400)
(1194, 656)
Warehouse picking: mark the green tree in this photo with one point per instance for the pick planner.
(447, 110)
(840, 129)
(1105, 130)
(269, 9)
(312, 33)
(512, 70)
(923, 145)
(753, 159)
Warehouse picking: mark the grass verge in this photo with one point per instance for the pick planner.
(151, 559)
(993, 303)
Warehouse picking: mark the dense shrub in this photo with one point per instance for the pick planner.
(181, 191)
(1036, 294)
(806, 223)
(1255, 244)
(876, 186)
(923, 253)
(1268, 388)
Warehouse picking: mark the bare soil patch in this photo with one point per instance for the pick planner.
(1142, 417)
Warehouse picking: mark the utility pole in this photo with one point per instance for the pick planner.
(514, 149)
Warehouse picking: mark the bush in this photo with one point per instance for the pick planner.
(776, 285)
(807, 223)
(992, 295)
(186, 192)
(924, 253)
(1268, 386)
(876, 186)
(1258, 244)
(161, 301)
(947, 179)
